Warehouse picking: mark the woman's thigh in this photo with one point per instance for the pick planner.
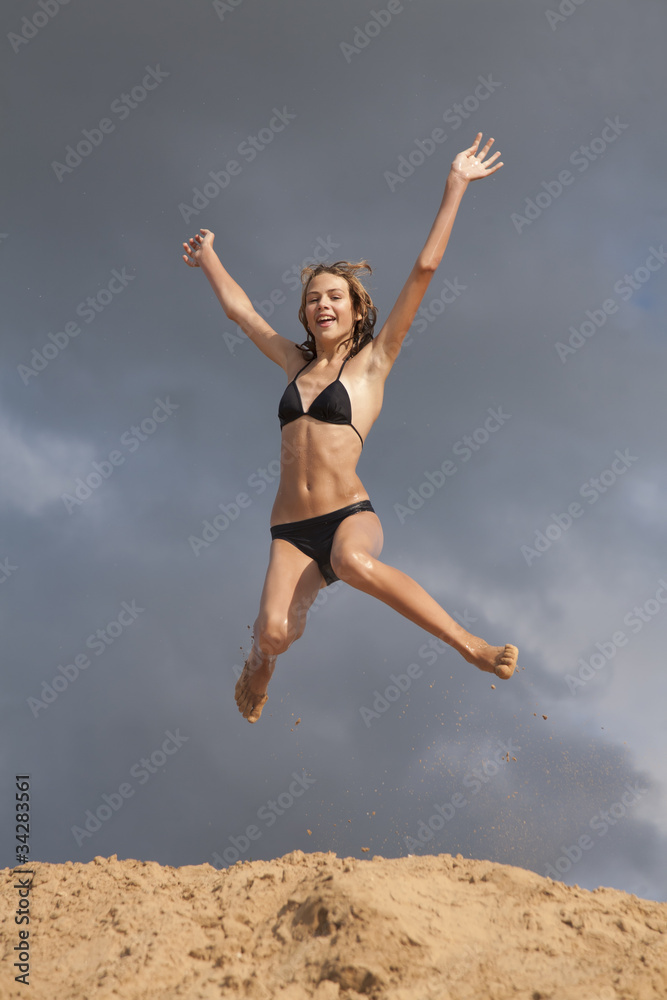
(293, 581)
(357, 534)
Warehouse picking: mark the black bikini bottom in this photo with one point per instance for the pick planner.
(314, 535)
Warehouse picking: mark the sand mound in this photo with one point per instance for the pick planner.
(315, 925)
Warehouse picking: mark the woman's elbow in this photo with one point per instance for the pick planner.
(427, 263)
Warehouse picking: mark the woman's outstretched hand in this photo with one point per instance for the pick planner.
(194, 250)
(470, 166)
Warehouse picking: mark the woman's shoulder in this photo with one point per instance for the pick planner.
(297, 358)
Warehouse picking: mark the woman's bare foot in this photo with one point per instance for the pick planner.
(498, 660)
(250, 692)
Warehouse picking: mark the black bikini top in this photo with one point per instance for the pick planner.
(332, 406)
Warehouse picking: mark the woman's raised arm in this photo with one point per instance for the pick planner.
(467, 166)
(238, 308)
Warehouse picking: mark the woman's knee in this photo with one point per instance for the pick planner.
(274, 634)
(352, 565)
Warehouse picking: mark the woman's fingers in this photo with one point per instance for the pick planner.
(497, 167)
(482, 153)
(475, 143)
(195, 244)
(188, 257)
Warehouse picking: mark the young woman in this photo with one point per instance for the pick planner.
(323, 525)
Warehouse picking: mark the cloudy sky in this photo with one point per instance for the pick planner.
(132, 412)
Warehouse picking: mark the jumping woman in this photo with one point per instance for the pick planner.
(323, 525)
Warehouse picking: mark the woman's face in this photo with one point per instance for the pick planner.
(329, 312)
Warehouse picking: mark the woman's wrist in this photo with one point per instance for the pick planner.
(456, 182)
(208, 258)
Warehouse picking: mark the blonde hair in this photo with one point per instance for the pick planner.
(361, 303)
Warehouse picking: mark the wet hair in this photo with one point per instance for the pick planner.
(361, 303)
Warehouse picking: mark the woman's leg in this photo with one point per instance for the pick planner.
(292, 583)
(356, 546)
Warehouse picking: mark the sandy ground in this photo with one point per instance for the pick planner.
(315, 925)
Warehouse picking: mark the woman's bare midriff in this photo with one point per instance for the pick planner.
(317, 470)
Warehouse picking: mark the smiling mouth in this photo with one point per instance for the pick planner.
(325, 320)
